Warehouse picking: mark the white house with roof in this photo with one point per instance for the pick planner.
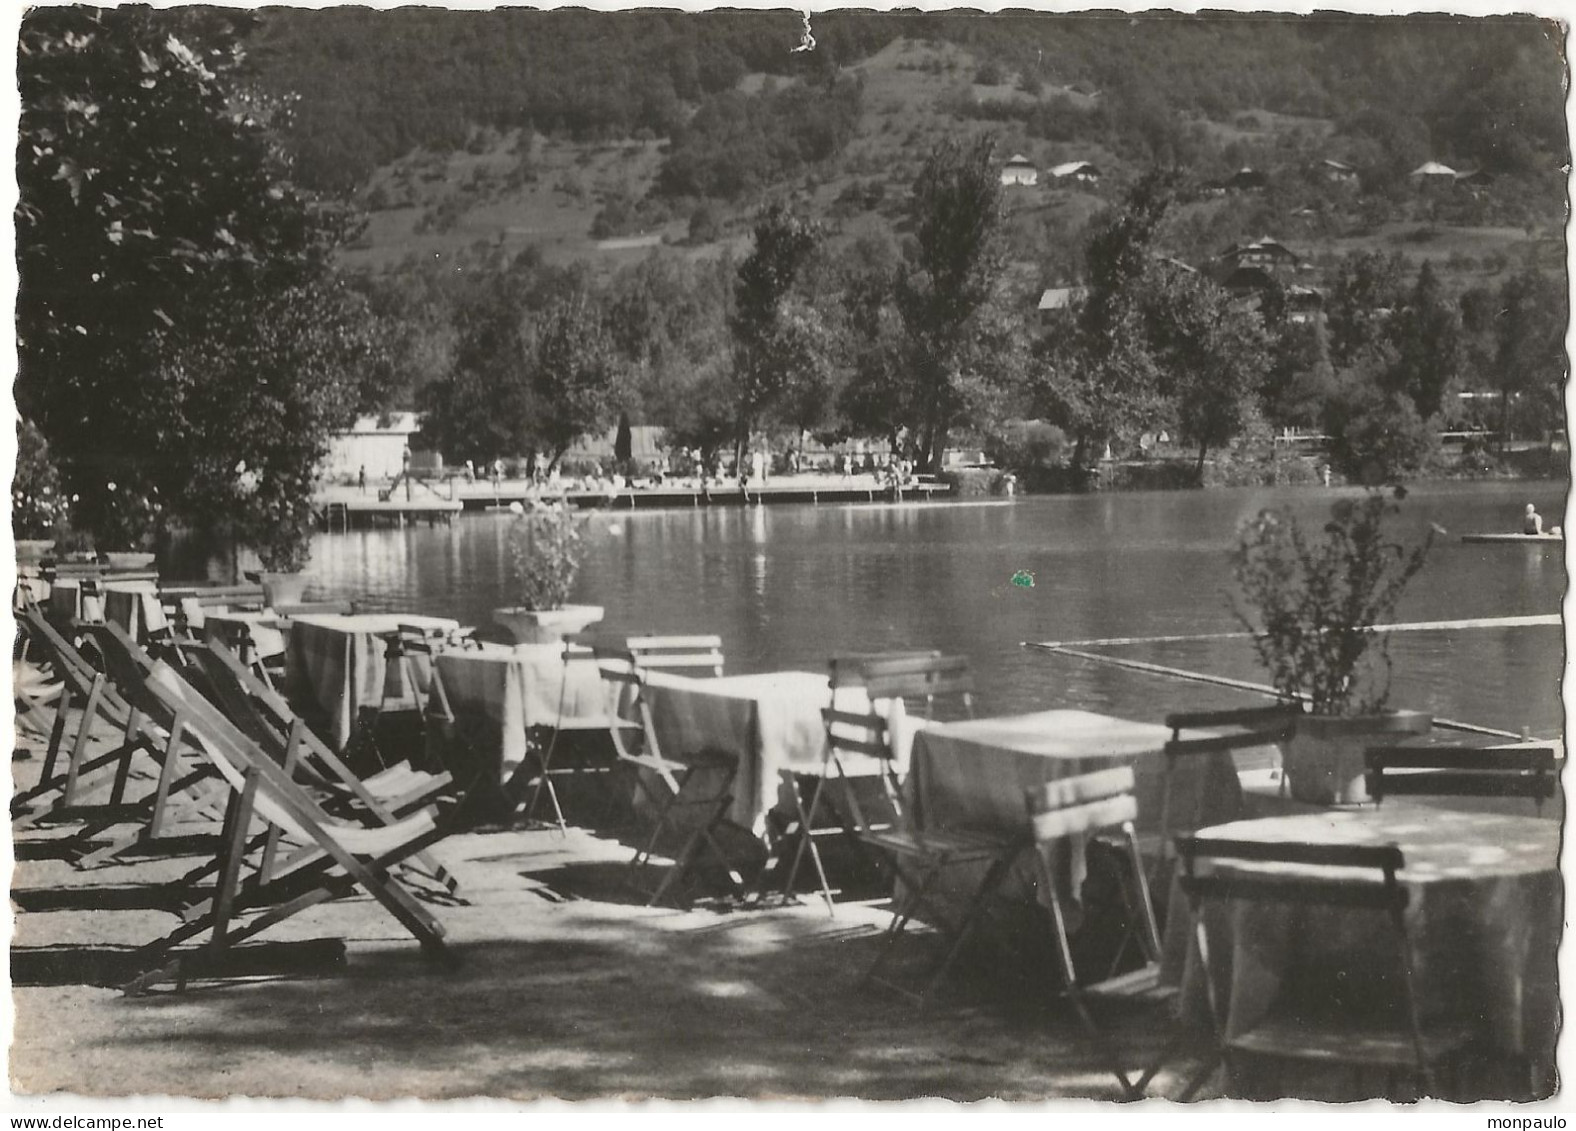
(1019, 170)
(377, 443)
(1083, 172)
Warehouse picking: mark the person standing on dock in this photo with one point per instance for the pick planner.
(1532, 521)
(361, 479)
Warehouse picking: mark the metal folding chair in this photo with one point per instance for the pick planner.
(1520, 770)
(1073, 809)
(1321, 1021)
(693, 790)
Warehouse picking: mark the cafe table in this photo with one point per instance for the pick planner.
(499, 693)
(135, 606)
(69, 600)
(336, 664)
(770, 721)
(973, 775)
(1483, 916)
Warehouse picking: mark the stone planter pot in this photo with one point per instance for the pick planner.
(546, 626)
(127, 559)
(1324, 758)
(31, 551)
(280, 587)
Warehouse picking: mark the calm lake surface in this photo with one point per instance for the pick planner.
(786, 586)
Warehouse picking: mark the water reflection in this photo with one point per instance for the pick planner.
(787, 586)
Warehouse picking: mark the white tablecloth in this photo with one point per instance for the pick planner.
(335, 665)
(974, 775)
(770, 722)
(1483, 914)
(497, 693)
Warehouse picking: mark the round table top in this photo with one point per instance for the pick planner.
(1437, 844)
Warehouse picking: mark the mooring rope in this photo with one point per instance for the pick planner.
(1226, 681)
(1530, 621)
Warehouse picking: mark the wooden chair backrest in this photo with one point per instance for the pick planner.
(922, 676)
(1088, 803)
(1212, 869)
(1258, 726)
(623, 679)
(1463, 771)
(683, 655)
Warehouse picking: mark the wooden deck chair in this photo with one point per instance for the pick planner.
(852, 745)
(103, 702)
(695, 792)
(1322, 1022)
(1075, 809)
(1519, 770)
(351, 856)
(265, 718)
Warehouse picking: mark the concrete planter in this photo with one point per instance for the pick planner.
(31, 551)
(1324, 759)
(281, 588)
(127, 559)
(546, 626)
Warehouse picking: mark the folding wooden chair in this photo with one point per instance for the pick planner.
(683, 655)
(346, 857)
(694, 792)
(1320, 1022)
(1074, 809)
(852, 744)
(1520, 770)
(1254, 727)
(542, 759)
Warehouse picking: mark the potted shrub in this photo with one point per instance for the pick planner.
(546, 545)
(1317, 601)
(126, 529)
(280, 533)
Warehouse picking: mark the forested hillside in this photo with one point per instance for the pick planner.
(374, 85)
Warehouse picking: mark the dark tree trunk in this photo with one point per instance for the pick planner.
(1198, 471)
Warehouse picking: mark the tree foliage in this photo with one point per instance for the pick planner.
(157, 221)
(775, 349)
(950, 276)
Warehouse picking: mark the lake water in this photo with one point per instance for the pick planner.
(786, 586)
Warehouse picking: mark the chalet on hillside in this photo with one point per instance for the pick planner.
(1245, 180)
(1019, 170)
(1264, 252)
(1078, 172)
(1303, 304)
(1056, 299)
(1338, 172)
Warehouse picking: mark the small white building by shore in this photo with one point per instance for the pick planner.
(377, 443)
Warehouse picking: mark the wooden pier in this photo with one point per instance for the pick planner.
(644, 498)
(342, 510)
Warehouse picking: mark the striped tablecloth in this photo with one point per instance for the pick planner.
(336, 664)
